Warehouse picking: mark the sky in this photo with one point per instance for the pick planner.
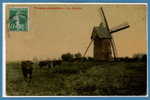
(55, 29)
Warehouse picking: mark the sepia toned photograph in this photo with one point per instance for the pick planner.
(75, 49)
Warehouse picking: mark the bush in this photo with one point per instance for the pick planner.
(126, 59)
(140, 57)
(67, 57)
(144, 57)
(90, 59)
(78, 55)
(84, 59)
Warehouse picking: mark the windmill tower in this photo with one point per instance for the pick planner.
(104, 45)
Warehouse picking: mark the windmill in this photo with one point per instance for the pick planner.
(104, 45)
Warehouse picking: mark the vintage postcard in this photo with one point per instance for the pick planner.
(75, 49)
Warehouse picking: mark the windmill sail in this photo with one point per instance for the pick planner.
(101, 31)
(103, 20)
(120, 27)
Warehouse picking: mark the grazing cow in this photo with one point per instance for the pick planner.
(57, 62)
(27, 67)
(45, 63)
(49, 63)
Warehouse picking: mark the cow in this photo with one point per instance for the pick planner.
(45, 63)
(57, 62)
(27, 68)
(49, 64)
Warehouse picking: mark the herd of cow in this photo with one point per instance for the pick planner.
(27, 67)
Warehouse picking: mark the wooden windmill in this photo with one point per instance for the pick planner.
(104, 45)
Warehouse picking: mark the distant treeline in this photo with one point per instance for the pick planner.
(78, 57)
(135, 57)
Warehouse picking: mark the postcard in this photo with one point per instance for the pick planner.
(75, 50)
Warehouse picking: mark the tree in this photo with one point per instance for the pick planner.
(144, 57)
(139, 56)
(90, 59)
(67, 57)
(78, 55)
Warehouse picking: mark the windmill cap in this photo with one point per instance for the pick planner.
(101, 32)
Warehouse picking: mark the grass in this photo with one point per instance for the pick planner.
(79, 79)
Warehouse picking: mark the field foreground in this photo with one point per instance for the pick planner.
(79, 79)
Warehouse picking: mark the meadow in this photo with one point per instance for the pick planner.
(88, 78)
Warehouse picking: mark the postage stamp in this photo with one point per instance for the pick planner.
(18, 19)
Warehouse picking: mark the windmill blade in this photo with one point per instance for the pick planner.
(120, 27)
(104, 20)
(113, 48)
(88, 48)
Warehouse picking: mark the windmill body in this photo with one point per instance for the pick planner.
(104, 46)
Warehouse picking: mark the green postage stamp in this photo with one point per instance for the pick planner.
(18, 19)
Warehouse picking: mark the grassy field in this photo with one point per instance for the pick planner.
(79, 79)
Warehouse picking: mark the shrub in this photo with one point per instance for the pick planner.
(90, 59)
(83, 59)
(140, 57)
(78, 55)
(67, 57)
(144, 57)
